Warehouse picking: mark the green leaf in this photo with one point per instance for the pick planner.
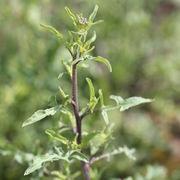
(103, 60)
(101, 97)
(104, 113)
(98, 142)
(71, 15)
(39, 160)
(78, 155)
(98, 22)
(122, 104)
(52, 101)
(59, 150)
(91, 40)
(80, 44)
(69, 115)
(92, 100)
(129, 102)
(61, 75)
(56, 136)
(88, 137)
(93, 14)
(74, 144)
(52, 30)
(105, 117)
(60, 175)
(76, 174)
(128, 152)
(91, 89)
(63, 94)
(68, 68)
(39, 115)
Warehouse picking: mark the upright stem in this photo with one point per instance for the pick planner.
(86, 170)
(77, 116)
(75, 103)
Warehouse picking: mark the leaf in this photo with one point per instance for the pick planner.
(52, 101)
(88, 137)
(129, 102)
(98, 22)
(56, 136)
(68, 68)
(104, 113)
(93, 14)
(122, 104)
(91, 89)
(101, 97)
(105, 117)
(63, 94)
(69, 115)
(61, 75)
(74, 144)
(91, 40)
(80, 44)
(52, 30)
(39, 160)
(92, 100)
(128, 152)
(71, 15)
(103, 60)
(39, 115)
(76, 174)
(59, 150)
(60, 175)
(78, 155)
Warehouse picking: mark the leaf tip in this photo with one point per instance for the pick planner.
(24, 124)
(26, 173)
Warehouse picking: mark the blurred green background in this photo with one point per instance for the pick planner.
(141, 38)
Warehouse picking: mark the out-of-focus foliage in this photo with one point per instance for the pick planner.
(140, 38)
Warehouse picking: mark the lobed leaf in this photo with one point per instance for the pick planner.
(129, 102)
(128, 152)
(39, 160)
(39, 115)
(52, 30)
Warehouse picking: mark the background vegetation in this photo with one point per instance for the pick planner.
(140, 38)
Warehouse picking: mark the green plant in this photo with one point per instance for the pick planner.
(69, 143)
